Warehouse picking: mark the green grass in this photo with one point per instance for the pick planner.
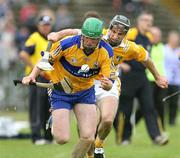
(141, 146)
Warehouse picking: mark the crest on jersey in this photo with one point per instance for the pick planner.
(96, 65)
(126, 47)
(118, 58)
(74, 60)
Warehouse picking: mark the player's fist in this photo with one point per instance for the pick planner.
(106, 83)
(53, 37)
(26, 80)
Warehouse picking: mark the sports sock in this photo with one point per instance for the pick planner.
(98, 143)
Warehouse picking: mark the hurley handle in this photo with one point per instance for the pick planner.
(20, 82)
(49, 46)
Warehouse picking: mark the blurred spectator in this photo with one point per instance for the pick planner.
(7, 45)
(27, 15)
(8, 59)
(91, 13)
(3, 8)
(58, 2)
(157, 55)
(47, 11)
(21, 36)
(134, 7)
(3, 13)
(172, 66)
(116, 5)
(136, 85)
(38, 98)
(64, 18)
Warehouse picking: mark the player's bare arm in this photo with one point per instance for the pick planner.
(161, 81)
(55, 36)
(32, 77)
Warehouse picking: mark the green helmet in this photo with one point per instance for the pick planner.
(92, 28)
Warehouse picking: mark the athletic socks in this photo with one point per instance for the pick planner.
(98, 143)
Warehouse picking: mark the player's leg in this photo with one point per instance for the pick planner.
(34, 115)
(61, 105)
(149, 112)
(123, 125)
(108, 108)
(61, 125)
(87, 121)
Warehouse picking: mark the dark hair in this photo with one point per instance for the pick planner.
(91, 13)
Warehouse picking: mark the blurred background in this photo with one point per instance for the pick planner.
(18, 20)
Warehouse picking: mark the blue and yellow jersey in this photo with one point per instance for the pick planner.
(68, 58)
(33, 46)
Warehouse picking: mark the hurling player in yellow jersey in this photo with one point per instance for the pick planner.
(78, 59)
(123, 50)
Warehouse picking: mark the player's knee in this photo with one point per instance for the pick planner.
(108, 124)
(107, 120)
(61, 139)
(88, 139)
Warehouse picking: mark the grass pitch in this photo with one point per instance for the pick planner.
(141, 146)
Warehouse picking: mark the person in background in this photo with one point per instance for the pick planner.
(136, 85)
(38, 98)
(172, 66)
(157, 55)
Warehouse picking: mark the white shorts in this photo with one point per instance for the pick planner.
(115, 90)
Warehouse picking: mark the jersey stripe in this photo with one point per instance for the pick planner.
(74, 70)
(107, 47)
(29, 49)
(69, 42)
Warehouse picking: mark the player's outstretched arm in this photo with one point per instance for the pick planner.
(32, 76)
(56, 36)
(161, 81)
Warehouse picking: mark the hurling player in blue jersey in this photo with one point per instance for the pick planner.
(79, 59)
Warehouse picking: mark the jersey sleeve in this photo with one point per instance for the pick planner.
(105, 68)
(56, 51)
(29, 45)
(140, 54)
(131, 34)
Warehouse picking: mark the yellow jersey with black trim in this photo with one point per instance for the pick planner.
(144, 40)
(33, 46)
(68, 56)
(126, 51)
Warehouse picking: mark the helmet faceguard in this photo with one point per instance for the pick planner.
(118, 28)
(120, 21)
